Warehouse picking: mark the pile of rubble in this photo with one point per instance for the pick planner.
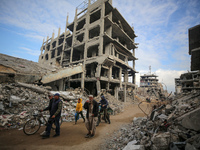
(116, 105)
(174, 126)
(18, 101)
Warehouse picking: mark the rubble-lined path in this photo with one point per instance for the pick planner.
(72, 136)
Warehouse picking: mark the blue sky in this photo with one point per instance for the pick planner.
(161, 27)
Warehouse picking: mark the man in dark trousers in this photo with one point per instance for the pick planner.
(92, 108)
(55, 114)
(48, 108)
(104, 104)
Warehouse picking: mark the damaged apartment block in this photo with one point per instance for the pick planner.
(190, 81)
(102, 41)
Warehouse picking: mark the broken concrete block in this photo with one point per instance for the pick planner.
(189, 147)
(15, 99)
(1, 106)
(161, 141)
(131, 146)
(191, 120)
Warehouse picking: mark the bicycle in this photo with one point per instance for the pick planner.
(34, 124)
(101, 115)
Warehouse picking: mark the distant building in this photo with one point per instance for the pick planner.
(148, 80)
(178, 86)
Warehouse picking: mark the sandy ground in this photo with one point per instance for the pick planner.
(72, 136)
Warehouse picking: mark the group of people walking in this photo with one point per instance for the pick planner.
(91, 106)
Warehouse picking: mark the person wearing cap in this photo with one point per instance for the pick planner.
(55, 114)
(48, 108)
(92, 108)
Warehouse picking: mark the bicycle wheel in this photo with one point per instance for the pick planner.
(54, 125)
(108, 115)
(31, 126)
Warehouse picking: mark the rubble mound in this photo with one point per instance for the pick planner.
(116, 105)
(18, 101)
(174, 126)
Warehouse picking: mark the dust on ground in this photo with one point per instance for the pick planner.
(72, 136)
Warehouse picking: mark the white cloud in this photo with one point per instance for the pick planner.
(161, 27)
(31, 52)
(36, 17)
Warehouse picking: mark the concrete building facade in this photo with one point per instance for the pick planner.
(190, 81)
(102, 41)
(148, 80)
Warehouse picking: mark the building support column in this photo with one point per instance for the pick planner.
(116, 92)
(125, 92)
(120, 77)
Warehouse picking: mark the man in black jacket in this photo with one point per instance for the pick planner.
(48, 108)
(92, 108)
(55, 114)
(50, 103)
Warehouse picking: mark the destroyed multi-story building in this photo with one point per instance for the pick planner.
(177, 86)
(148, 80)
(191, 81)
(150, 87)
(101, 41)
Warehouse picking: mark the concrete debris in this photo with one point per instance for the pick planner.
(18, 101)
(131, 146)
(175, 126)
(116, 105)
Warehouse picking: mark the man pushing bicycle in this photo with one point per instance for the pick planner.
(55, 107)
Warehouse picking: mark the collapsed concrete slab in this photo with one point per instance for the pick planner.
(191, 120)
(66, 72)
(13, 69)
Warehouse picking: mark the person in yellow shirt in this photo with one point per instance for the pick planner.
(79, 110)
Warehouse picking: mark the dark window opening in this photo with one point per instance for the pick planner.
(91, 70)
(80, 25)
(115, 72)
(48, 47)
(104, 72)
(53, 54)
(94, 32)
(42, 57)
(59, 51)
(104, 85)
(67, 55)
(95, 16)
(93, 51)
(80, 37)
(46, 56)
(122, 57)
(68, 43)
(54, 44)
(112, 88)
(60, 41)
(91, 86)
(75, 84)
(76, 76)
(78, 53)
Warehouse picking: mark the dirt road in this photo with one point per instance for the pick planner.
(72, 136)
